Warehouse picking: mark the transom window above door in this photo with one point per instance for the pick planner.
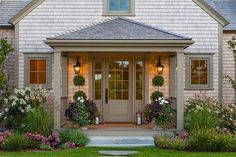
(118, 7)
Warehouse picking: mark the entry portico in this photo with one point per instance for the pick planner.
(119, 47)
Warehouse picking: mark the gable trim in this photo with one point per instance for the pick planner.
(25, 11)
(212, 12)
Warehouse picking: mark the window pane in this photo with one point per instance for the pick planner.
(139, 95)
(195, 78)
(119, 5)
(42, 78)
(33, 78)
(42, 65)
(203, 78)
(125, 95)
(33, 65)
(98, 95)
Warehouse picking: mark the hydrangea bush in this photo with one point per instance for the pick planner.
(21, 102)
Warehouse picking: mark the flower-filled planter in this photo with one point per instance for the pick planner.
(79, 80)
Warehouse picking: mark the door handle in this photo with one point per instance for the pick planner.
(106, 96)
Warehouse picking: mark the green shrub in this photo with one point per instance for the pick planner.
(156, 95)
(158, 81)
(162, 142)
(39, 122)
(74, 136)
(178, 144)
(79, 80)
(45, 147)
(79, 94)
(201, 117)
(16, 142)
(209, 140)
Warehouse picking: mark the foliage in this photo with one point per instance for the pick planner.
(79, 80)
(156, 95)
(45, 147)
(78, 95)
(183, 134)
(158, 81)
(232, 45)
(52, 140)
(83, 112)
(72, 112)
(74, 136)
(160, 111)
(92, 109)
(4, 135)
(206, 112)
(21, 103)
(209, 140)
(174, 143)
(83, 119)
(15, 142)
(38, 121)
(68, 145)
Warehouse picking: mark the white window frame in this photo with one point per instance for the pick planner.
(107, 12)
(48, 59)
(188, 84)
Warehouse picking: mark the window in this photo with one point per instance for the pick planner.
(98, 81)
(118, 7)
(199, 72)
(37, 70)
(139, 80)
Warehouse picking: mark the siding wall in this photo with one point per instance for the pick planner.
(179, 16)
(228, 69)
(8, 33)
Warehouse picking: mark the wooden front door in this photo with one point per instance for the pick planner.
(118, 89)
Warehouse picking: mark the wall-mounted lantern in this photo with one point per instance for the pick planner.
(159, 67)
(77, 66)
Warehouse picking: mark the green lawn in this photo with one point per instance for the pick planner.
(93, 152)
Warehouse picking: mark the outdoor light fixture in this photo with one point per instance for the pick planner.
(77, 66)
(160, 67)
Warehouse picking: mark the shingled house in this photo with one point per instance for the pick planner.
(118, 44)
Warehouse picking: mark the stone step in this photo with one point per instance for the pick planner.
(121, 141)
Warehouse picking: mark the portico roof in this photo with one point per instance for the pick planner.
(120, 29)
(119, 32)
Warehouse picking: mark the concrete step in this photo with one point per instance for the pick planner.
(121, 141)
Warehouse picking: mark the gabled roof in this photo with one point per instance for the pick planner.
(9, 8)
(227, 8)
(212, 12)
(120, 29)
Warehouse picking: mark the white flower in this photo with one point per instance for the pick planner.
(1, 114)
(28, 108)
(22, 111)
(13, 103)
(6, 101)
(22, 102)
(6, 109)
(27, 98)
(19, 108)
(16, 91)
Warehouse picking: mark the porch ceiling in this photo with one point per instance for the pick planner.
(119, 32)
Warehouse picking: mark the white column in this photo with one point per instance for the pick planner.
(57, 90)
(180, 90)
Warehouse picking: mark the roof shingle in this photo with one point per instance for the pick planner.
(120, 29)
(226, 8)
(9, 8)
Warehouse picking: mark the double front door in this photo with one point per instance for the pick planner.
(118, 84)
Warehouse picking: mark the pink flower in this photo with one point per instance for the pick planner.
(1, 139)
(183, 135)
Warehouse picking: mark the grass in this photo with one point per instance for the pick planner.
(93, 152)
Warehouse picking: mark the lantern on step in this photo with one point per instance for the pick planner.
(77, 66)
(139, 118)
(159, 67)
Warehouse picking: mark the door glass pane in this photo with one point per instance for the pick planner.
(98, 81)
(118, 74)
(139, 80)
